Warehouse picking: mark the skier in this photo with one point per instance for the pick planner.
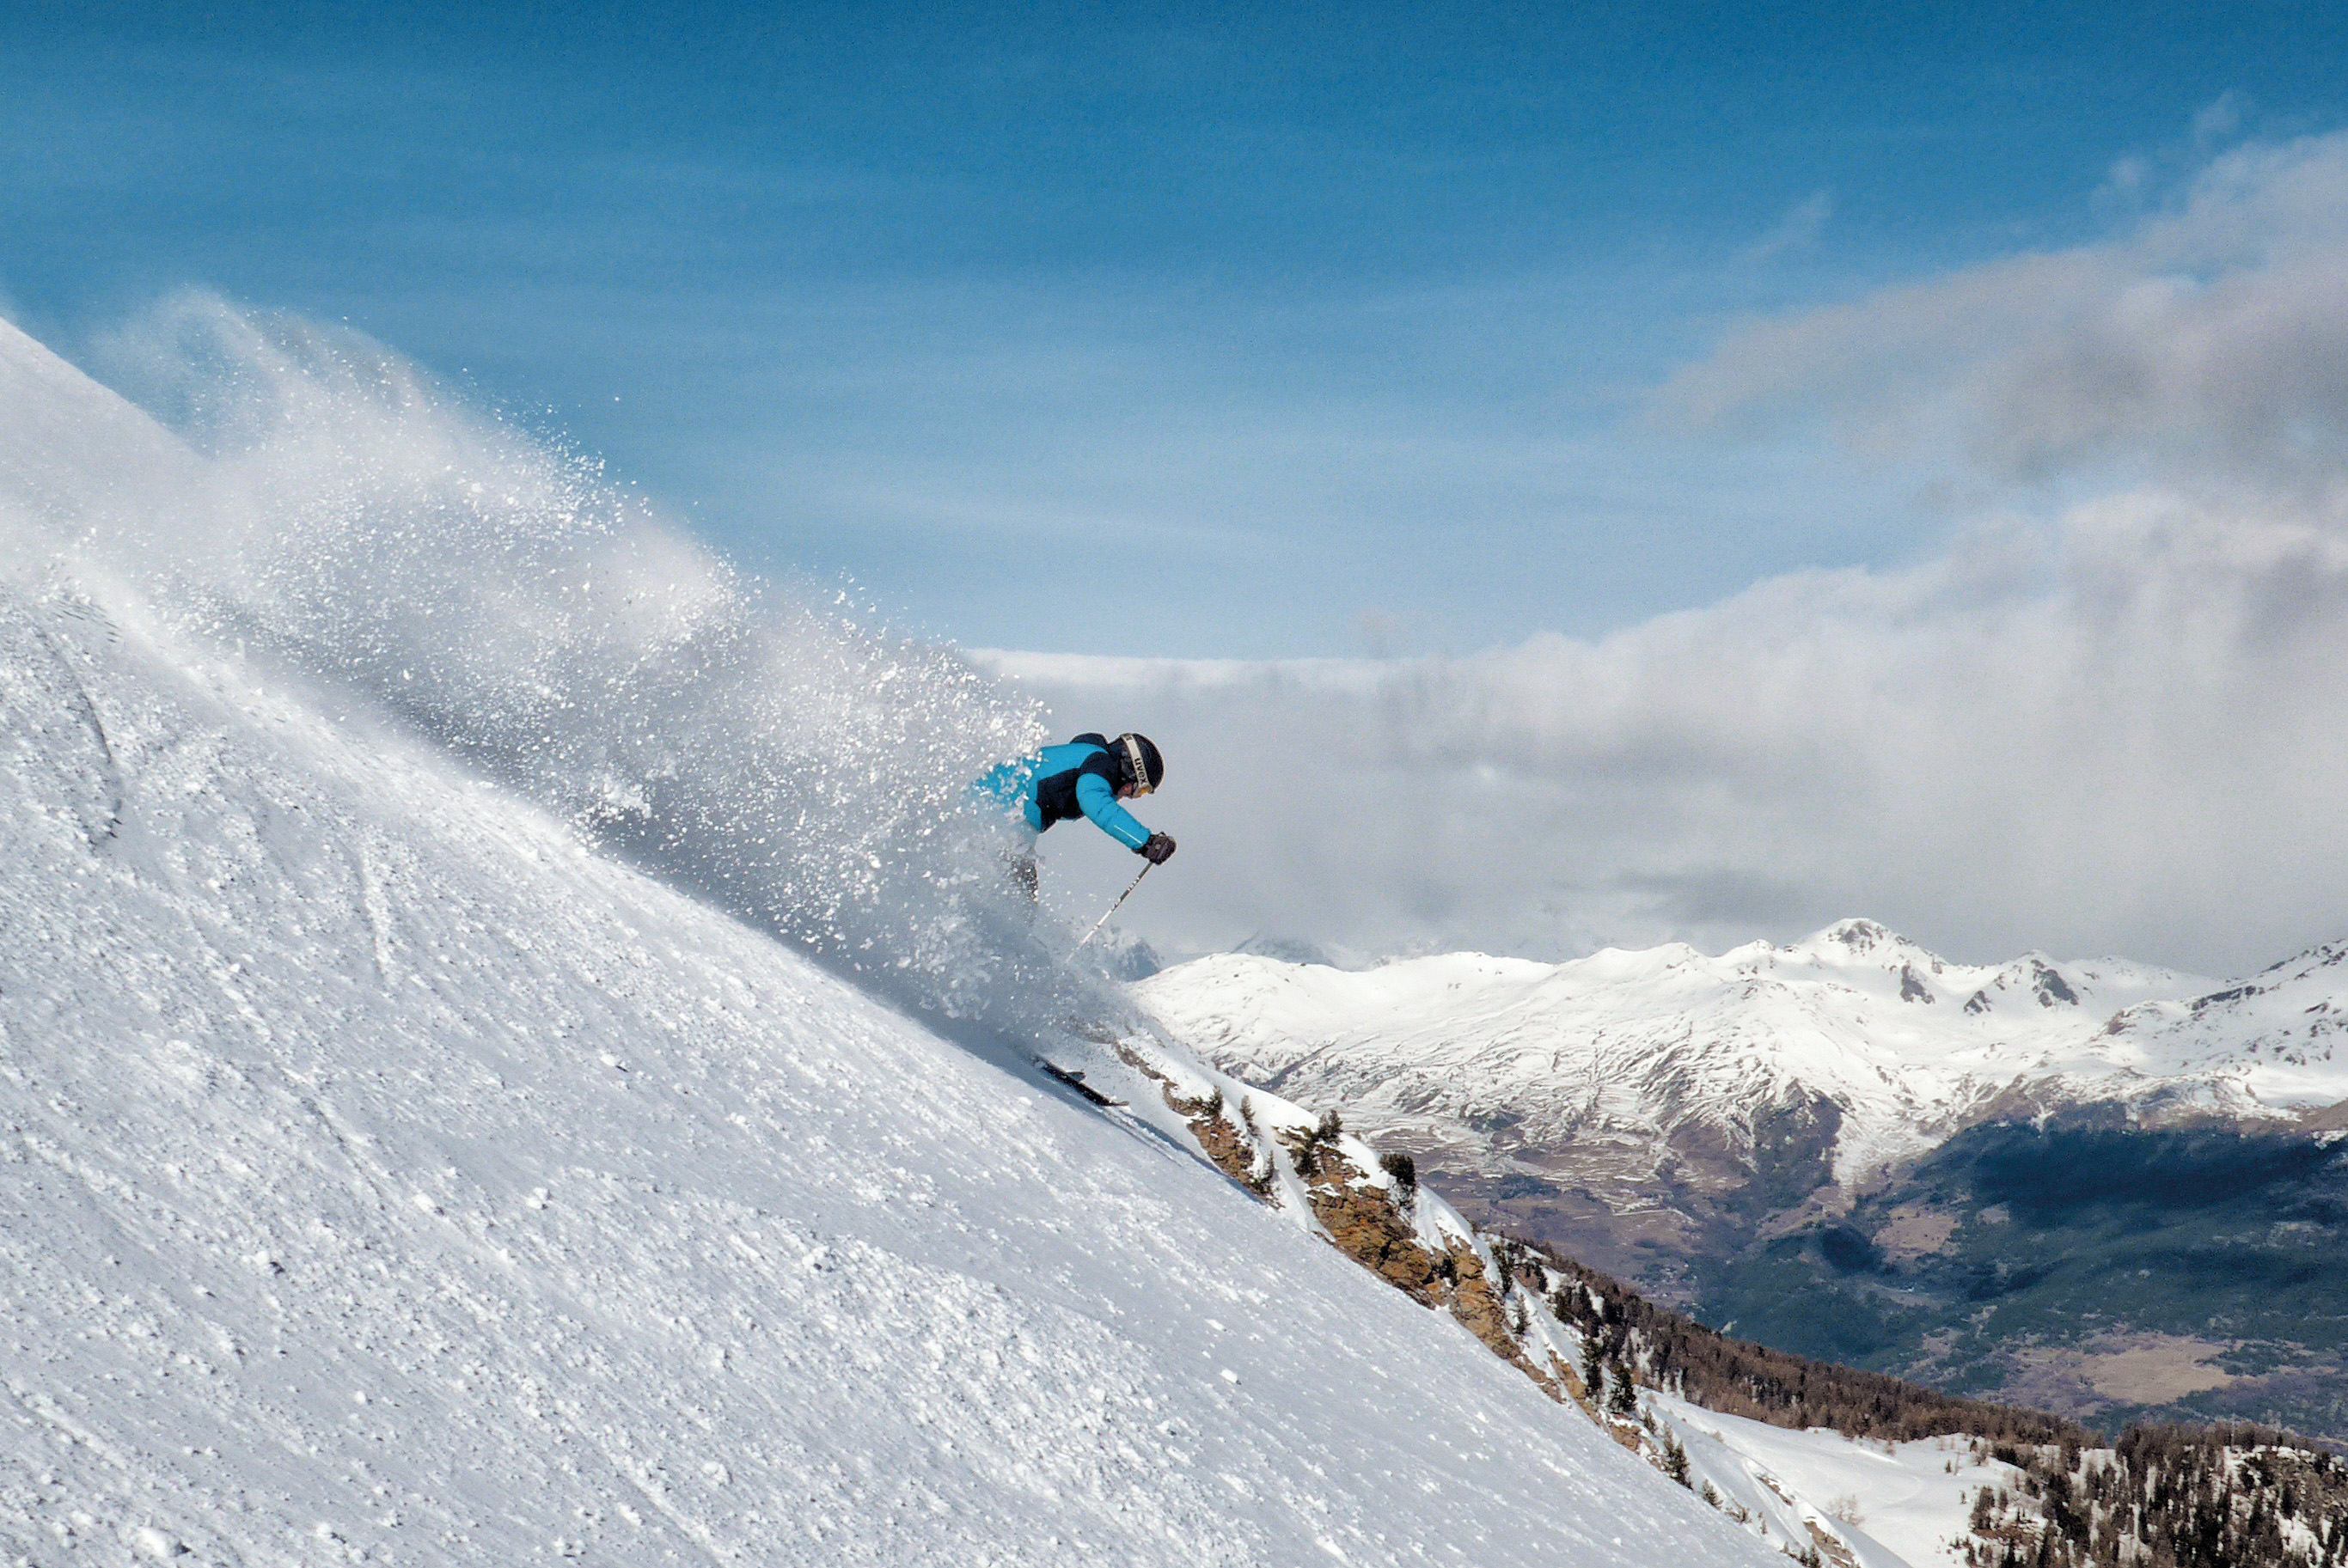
(1087, 777)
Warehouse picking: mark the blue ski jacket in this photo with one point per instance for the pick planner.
(1062, 781)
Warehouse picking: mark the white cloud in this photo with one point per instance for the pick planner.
(1799, 229)
(2220, 119)
(2117, 726)
(2209, 338)
(2131, 746)
(2128, 176)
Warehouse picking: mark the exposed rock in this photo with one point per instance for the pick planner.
(1366, 1225)
(1830, 1545)
(1477, 1305)
(1232, 1149)
(1367, 1220)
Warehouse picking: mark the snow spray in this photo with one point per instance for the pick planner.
(329, 508)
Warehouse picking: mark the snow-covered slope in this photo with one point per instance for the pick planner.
(1891, 1503)
(1648, 1056)
(2266, 1042)
(391, 1173)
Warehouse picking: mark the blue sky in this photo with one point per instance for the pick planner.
(1257, 332)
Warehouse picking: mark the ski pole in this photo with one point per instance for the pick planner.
(1116, 906)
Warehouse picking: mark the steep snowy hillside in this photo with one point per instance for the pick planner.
(396, 1169)
(1897, 1503)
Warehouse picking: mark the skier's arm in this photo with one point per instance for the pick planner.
(1099, 801)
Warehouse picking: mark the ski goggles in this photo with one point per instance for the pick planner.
(1141, 785)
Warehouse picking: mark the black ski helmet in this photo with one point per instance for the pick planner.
(1139, 761)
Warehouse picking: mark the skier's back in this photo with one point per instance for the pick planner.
(1087, 777)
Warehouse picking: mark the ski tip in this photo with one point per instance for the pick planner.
(1076, 1080)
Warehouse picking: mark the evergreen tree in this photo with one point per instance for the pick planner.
(1593, 1360)
(1676, 1459)
(1622, 1394)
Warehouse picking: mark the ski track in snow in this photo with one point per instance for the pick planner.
(385, 1175)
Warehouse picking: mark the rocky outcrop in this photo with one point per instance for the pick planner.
(1365, 1222)
(1232, 1149)
(1476, 1301)
(1369, 1217)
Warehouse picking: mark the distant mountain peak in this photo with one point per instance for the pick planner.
(1485, 1056)
(1286, 950)
(1859, 936)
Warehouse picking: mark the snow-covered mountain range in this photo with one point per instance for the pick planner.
(438, 1124)
(1671, 1055)
(2021, 1180)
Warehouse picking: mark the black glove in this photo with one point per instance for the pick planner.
(1159, 849)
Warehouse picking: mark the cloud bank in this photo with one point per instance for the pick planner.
(2108, 716)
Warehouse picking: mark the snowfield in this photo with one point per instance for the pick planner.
(1898, 1503)
(391, 1173)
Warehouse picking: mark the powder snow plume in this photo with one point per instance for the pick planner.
(329, 510)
